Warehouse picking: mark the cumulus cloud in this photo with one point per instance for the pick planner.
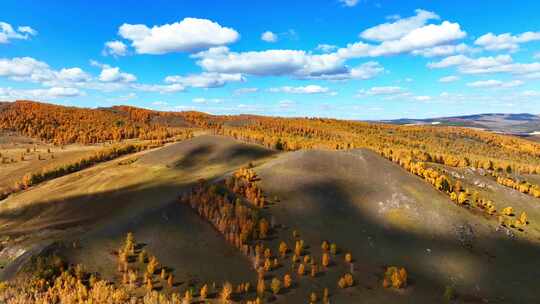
(364, 71)
(269, 62)
(33, 70)
(445, 50)
(398, 29)
(415, 36)
(506, 41)
(7, 32)
(113, 74)
(309, 89)
(487, 65)
(349, 3)
(188, 35)
(268, 36)
(421, 38)
(205, 80)
(73, 75)
(448, 79)
(115, 48)
(495, 84)
(50, 93)
(296, 63)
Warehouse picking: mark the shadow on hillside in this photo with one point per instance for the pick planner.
(206, 150)
(214, 154)
(506, 269)
(84, 209)
(194, 157)
(168, 229)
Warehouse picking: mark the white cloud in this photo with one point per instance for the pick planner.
(326, 48)
(385, 93)
(242, 91)
(309, 89)
(495, 84)
(487, 65)
(40, 94)
(188, 35)
(73, 75)
(113, 74)
(421, 38)
(205, 80)
(19, 67)
(506, 41)
(159, 88)
(268, 36)
(536, 56)
(115, 48)
(332, 64)
(448, 79)
(364, 71)
(270, 62)
(399, 28)
(296, 63)
(445, 50)
(376, 91)
(349, 3)
(27, 30)
(32, 70)
(7, 32)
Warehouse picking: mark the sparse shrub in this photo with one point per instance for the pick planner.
(313, 298)
(325, 259)
(287, 281)
(301, 269)
(333, 249)
(261, 287)
(283, 249)
(395, 277)
(348, 257)
(275, 285)
(508, 211)
(204, 292)
(226, 292)
(449, 294)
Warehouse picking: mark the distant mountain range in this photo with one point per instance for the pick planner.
(518, 124)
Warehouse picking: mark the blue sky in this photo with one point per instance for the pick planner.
(365, 59)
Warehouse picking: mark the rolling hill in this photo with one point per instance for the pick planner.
(425, 199)
(519, 124)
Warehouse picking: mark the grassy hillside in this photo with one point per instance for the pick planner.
(385, 216)
(406, 196)
(95, 208)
